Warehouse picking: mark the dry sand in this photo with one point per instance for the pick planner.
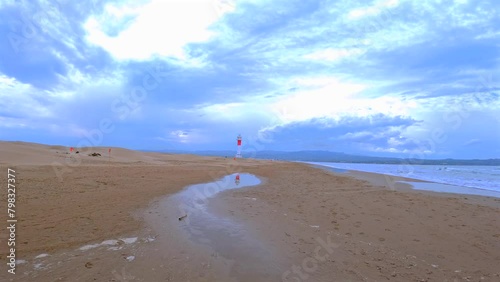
(320, 225)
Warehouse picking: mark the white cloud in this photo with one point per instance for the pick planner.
(158, 28)
(490, 34)
(4, 3)
(372, 148)
(180, 136)
(334, 99)
(354, 135)
(185, 136)
(373, 10)
(76, 78)
(331, 54)
(472, 142)
(21, 100)
(222, 110)
(77, 102)
(252, 113)
(48, 21)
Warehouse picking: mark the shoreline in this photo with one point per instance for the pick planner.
(398, 182)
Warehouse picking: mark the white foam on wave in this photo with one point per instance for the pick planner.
(475, 177)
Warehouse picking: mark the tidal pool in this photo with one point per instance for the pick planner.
(225, 236)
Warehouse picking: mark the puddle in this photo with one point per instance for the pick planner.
(226, 237)
(194, 198)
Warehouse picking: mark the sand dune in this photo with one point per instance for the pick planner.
(25, 153)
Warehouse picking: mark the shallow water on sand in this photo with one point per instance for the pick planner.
(226, 237)
(194, 198)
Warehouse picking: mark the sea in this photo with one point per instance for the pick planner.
(475, 180)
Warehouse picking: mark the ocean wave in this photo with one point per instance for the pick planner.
(478, 177)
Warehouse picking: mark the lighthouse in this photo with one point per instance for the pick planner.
(238, 152)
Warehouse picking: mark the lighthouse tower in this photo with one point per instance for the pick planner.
(238, 152)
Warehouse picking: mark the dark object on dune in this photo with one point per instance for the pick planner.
(95, 155)
(77, 152)
(182, 217)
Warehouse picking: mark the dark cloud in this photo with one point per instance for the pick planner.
(348, 134)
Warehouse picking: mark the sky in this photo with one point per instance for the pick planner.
(396, 78)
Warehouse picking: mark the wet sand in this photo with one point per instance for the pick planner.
(378, 230)
(315, 224)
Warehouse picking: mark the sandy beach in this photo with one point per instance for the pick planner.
(113, 218)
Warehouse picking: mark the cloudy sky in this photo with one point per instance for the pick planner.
(396, 78)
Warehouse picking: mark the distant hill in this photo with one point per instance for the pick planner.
(327, 156)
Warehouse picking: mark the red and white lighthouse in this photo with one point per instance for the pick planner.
(238, 152)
